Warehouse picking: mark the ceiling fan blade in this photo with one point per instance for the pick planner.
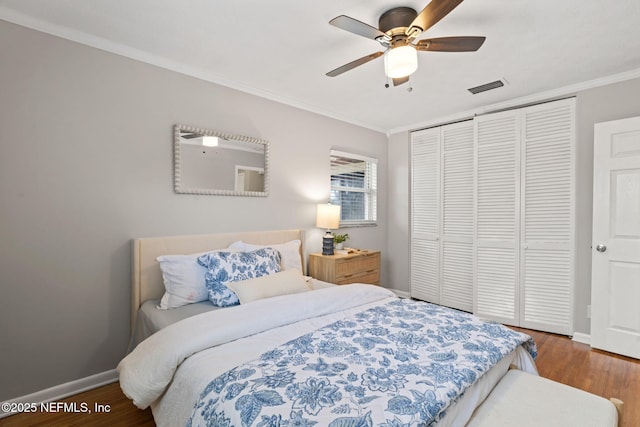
(451, 44)
(191, 135)
(353, 64)
(431, 14)
(357, 27)
(400, 80)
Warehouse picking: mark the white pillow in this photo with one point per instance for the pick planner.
(183, 280)
(282, 283)
(289, 251)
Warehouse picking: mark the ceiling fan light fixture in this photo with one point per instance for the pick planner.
(401, 61)
(210, 141)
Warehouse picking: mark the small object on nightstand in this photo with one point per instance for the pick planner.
(327, 244)
(328, 216)
(339, 240)
(358, 267)
(347, 251)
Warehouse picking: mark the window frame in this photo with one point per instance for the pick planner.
(369, 189)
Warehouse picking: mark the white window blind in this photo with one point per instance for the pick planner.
(354, 185)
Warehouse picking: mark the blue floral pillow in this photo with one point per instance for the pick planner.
(225, 267)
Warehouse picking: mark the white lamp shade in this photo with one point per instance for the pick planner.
(400, 61)
(328, 216)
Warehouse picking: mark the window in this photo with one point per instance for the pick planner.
(354, 185)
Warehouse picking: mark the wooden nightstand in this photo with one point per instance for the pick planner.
(360, 267)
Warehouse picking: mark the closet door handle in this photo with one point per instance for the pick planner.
(601, 248)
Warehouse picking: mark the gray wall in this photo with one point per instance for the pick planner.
(86, 165)
(611, 102)
(399, 211)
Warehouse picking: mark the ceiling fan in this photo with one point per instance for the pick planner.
(397, 31)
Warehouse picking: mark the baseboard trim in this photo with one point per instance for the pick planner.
(401, 294)
(582, 338)
(65, 390)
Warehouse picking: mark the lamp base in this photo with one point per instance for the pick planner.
(327, 244)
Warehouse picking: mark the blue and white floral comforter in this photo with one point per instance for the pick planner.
(394, 365)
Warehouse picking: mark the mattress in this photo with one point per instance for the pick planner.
(151, 319)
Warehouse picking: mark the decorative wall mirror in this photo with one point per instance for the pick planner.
(216, 163)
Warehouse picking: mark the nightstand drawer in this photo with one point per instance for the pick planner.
(372, 277)
(359, 267)
(359, 264)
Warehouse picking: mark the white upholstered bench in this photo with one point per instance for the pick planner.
(522, 399)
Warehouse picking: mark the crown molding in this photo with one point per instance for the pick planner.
(100, 43)
(549, 95)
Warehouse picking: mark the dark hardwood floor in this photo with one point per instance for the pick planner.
(559, 358)
(121, 412)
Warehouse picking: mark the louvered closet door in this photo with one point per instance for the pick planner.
(547, 226)
(496, 260)
(425, 215)
(457, 216)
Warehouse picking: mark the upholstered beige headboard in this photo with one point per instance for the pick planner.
(147, 278)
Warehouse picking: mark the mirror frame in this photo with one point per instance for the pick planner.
(177, 186)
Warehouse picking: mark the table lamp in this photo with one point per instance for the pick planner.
(328, 217)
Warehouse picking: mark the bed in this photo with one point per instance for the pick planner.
(351, 355)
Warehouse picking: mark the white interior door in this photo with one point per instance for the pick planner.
(425, 215)
(442, 215)
(497, 205)
(615, 295)
(547, 217)
(456, 250)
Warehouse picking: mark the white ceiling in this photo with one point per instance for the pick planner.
(281, 49)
